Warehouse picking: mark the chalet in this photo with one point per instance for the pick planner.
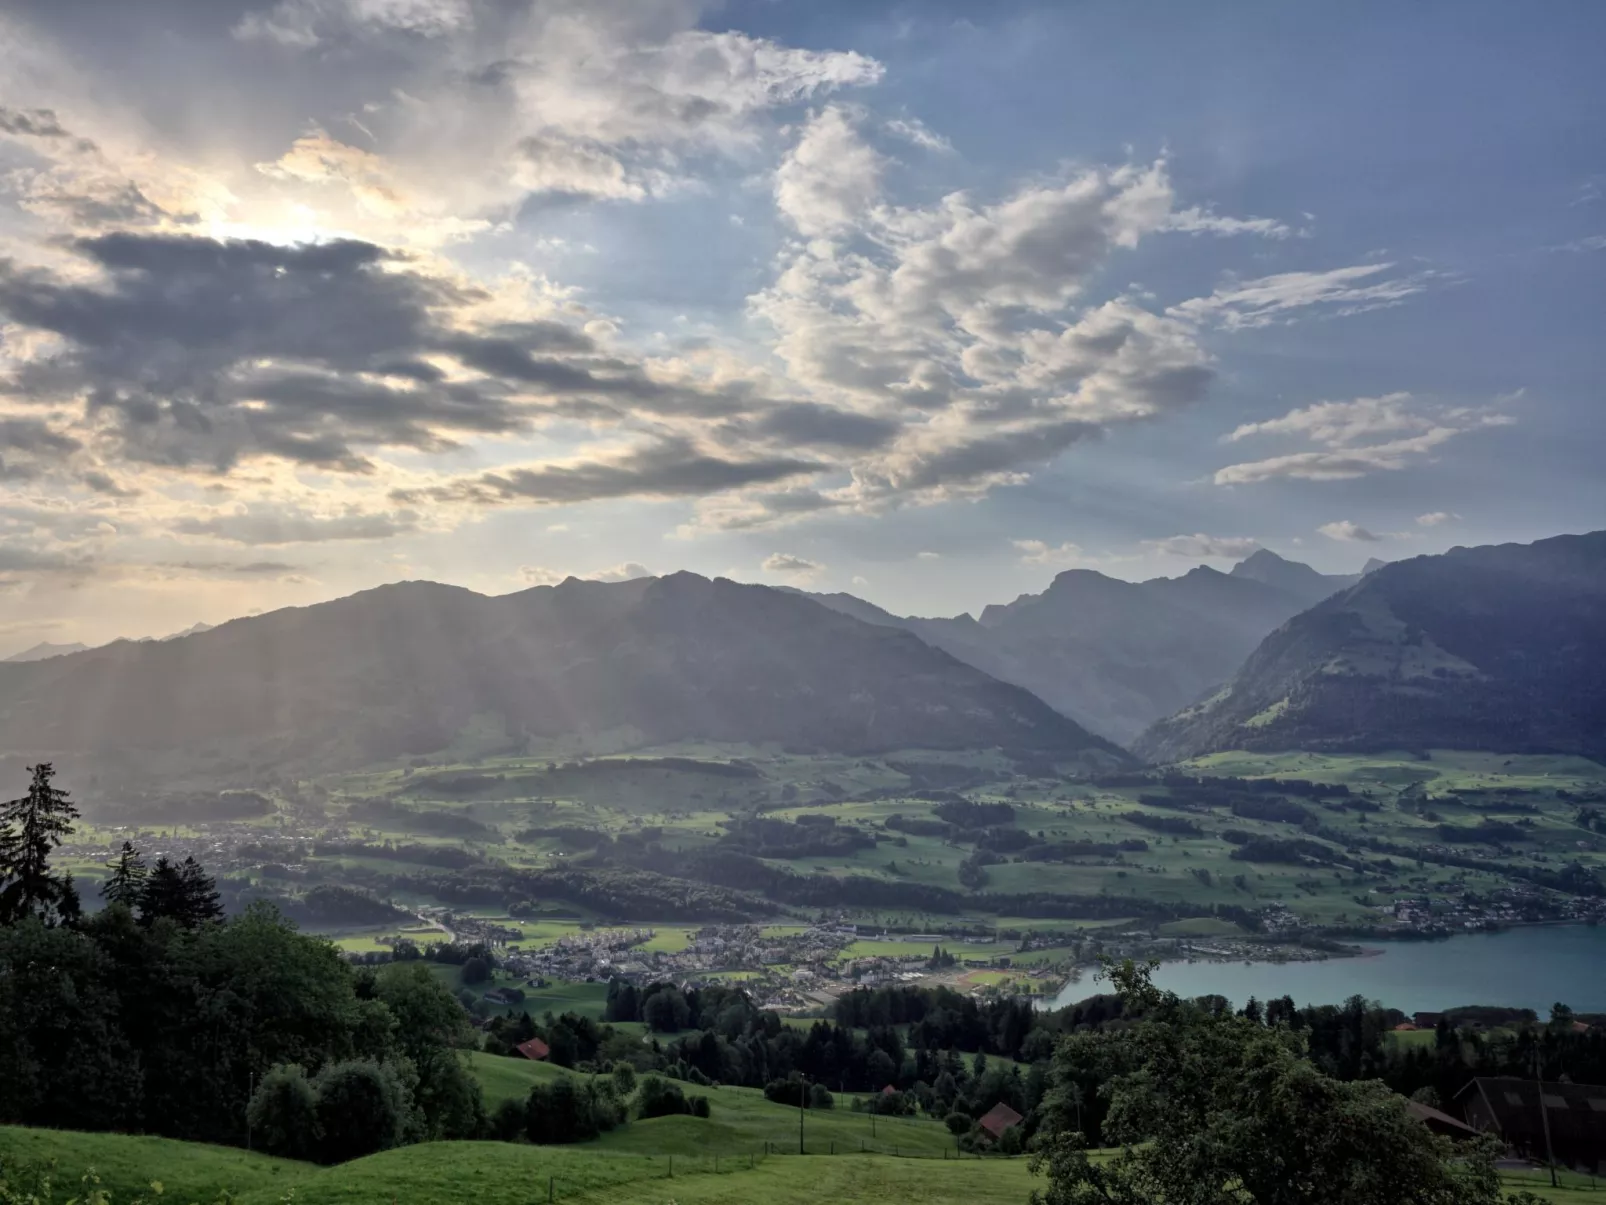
(535, 1049)
(1521, 1111)
(998, 1119)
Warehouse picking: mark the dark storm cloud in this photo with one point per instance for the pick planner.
(31, 435)
(668, 468)
(824, 426)
(201, 353)
(36, 123)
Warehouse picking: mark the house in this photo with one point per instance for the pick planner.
(535, 1049)
(1521, 1111)
(998, 1119)
(1440, 1122)
(889, 1090)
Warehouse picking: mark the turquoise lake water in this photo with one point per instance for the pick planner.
(1525, 968)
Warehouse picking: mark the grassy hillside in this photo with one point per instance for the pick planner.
(742, 1121)
(492, 1173)
(127, 1164)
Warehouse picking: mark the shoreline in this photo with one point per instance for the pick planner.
(1374, 949)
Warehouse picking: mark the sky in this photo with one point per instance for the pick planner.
(925, 302)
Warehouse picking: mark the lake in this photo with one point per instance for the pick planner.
(1524, 968)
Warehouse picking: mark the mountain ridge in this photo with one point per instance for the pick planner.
(1115, 655)
(1494, 647)
(403, 669)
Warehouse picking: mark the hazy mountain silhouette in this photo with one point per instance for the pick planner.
(1500, 647)
(1115, 655)
(406, 668)
(45, 649)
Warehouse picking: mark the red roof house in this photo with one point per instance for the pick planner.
(535, 1049)
(1000, 1118)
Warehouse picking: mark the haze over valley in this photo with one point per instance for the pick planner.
(599, 596)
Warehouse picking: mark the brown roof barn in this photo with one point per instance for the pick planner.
(535, 1048)
(999, 1118)
(1439, 1122)
(1519, 1111)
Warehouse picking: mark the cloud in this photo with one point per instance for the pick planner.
(628, 571)
(955, 328)
(668, 468)
(1585, 245)
(1038, 552)
(194, 353)
(915, 131)
(1436, 517)
(1349, 532)
(928, 556)
(1195, 220)
(270, 524)
(540, 575)
(787, 565)
(830, 177)
(1200, 546)
(1340, 424)
(31, 123)
(1342, 429)
(1280, 299)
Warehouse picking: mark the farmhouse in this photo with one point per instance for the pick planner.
(998, 1119)
(1520, 1111)
(535, 1049)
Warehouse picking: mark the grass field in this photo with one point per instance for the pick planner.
(493, 1173)
(742, 1121)
(126, 1164)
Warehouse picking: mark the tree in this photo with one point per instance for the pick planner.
(162, 893)
(362, 1108)
(198, 895)
(476, 971)
(31, 828)
(284, 1114)
(127, 883)
(1210, 1107)
(184, 893)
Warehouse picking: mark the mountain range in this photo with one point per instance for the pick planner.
(406, 669)
(1500, 647)
(1116, 655)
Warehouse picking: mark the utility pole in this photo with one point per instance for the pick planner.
(1544, 1117)
(802, 1103)
(250, 1091)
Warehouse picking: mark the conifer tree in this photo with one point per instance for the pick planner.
(161, 894)
(127, 882)
(198, 891)
(31, 828)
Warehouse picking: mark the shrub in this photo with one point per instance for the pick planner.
(508, 1122)
(362, 1108)
(699, 1106)
(820, 1097)
(957, 1123)
(659, 1097)
(283, 1114)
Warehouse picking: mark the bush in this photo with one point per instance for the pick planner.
(699, 1106)
(362, 1108)
(820, 1097)
(507, 1123)
(283, 1114)
(957, 1123)
(624, 1078)
(1009, 1142)
(660, 1097)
